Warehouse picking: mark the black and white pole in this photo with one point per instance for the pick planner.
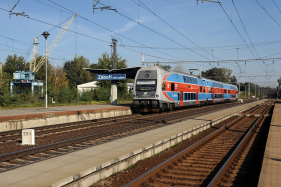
(46, 34)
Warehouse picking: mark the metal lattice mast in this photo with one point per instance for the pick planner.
(54, 44)
(33, 55)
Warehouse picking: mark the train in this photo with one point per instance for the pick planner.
(157, 89)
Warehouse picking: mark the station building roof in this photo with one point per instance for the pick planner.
(130, 72)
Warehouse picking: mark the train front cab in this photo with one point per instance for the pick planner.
(145, 97)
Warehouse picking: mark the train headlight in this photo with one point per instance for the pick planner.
(137, 95)
(157, 95)
(153, 95)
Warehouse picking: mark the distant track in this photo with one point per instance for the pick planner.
(210, 160)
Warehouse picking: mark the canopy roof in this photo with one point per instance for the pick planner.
(130, 72)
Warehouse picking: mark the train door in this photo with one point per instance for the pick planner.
(214, 98)
(197, 102)
(181, 98)
(172, 86)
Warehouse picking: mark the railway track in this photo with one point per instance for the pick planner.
(15, 135)
(213, 161)
(96, 135)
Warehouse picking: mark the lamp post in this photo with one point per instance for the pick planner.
(46, 34)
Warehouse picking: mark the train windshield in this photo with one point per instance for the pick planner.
(146, 85)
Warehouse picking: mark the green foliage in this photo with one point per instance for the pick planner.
(62, 83)
(5, 97)
(13, 64)
(163, 66)
(41, 73)
(220, 74)
(106, 62)
(75, 73)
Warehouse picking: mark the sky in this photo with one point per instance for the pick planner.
(170, 32)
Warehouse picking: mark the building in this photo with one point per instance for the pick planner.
(87, 86)
(92, 85)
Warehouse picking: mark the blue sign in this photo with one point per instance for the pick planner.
(111, 76)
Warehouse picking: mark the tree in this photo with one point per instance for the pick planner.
(15, 63)
(163, 66)
(219, 74)
(106, 62)
(74, 72)
(179, 68)
(41, 73)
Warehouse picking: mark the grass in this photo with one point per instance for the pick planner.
(128, 168)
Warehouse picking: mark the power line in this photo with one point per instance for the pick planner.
(246, 30)
(233, 47)
(225, 61)
(92, 37)
(157, 33)
(173, 29)
(239, 34)
(276, 6)
(269, 14)
(112, 30)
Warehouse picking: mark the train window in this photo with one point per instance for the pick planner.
(164, 86)
(229, 91)
(188, 86)
(225, 91)
(146, 85)
(188, 96)
(172, 86)
(194, 96)
(185, 96)
(200, 88)
(210, 90)
(189, 80)
(204, 89)
(178, 96)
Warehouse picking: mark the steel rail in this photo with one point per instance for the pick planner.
(25, 152)
(16, 134)
(217, 179)
(145, 177)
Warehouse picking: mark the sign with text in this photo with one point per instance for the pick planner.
(111, 76)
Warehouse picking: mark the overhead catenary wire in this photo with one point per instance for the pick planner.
(92, 37)
(239, 34)
(245, 30)
(111, 30)
(276, 6)
(268, 14)
(156, 32)
(174, 29)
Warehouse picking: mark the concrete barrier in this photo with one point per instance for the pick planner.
(91, 176)
(16, 122)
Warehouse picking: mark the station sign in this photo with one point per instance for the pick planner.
(111, 76)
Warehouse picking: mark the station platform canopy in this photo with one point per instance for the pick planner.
(130, 72)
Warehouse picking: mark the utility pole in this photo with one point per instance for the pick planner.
(255, 89)
(114, 82)
(249, 90)
(46, 34)
(142, 60)
(114, 41)
(239, 89)
(245, 91)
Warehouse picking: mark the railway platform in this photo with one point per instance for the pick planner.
(271, 166)
(15, 119)
(81, 165)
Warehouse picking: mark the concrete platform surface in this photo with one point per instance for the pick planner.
(48, 172)
(271, 167)
(19, 111)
